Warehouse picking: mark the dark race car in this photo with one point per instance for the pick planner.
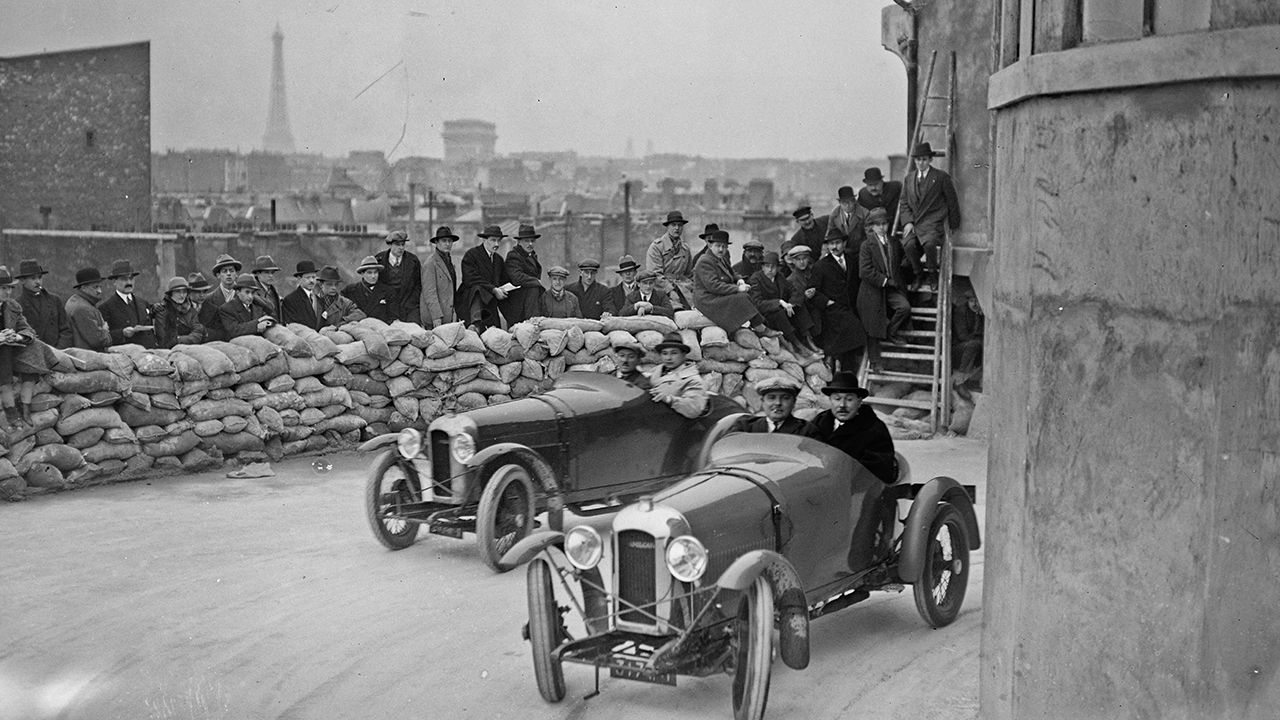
(592, 439)
(696, 579)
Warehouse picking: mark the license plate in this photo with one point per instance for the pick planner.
(446, 530)
(631, 670)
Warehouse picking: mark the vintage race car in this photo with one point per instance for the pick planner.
(697, 578)
(592, 439)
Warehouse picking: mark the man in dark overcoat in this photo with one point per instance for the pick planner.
(128, 318)
(616, 299)
(484, 276)
(719, 294)
(264, 270)
(46, 312)
(879, 193)
(524, 270)
(401, 273)
(372, 297)
(854, 427)
(883, 306)
(226, 269)
(811, 232)
(591, 294)
(772, 296)
(835, 282)
(303, 305)
(646, 300)
(245, 315)
(928, 200)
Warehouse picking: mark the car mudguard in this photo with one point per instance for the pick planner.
(723, 426)
(379, 442)
(542, 471)
(788, 594)
(923, 508)
(528, 548)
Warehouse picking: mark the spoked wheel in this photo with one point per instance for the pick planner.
(507, 507)
(944, 572)
(546, 631)
(389, 485)
(754, 652)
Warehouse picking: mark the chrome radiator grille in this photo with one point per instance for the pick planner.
(440, 467)
(636, 573)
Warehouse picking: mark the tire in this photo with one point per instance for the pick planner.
(546, 631)
(389, 481)
(944, 570)
(754, 652)
(507, 507)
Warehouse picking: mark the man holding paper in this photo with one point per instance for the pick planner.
(484, 282)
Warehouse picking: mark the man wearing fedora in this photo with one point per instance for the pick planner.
(484, 282)
(16, 335)
(928, 200)
(845, 220)
(302, 306)
(372, 297)
(245, 315)
(771, 294)
(720, 295)
(525, 272)
(835, 283)
(439, 280)
(128, 318)
(558, 302)
(669, 257)
(336, 309)
(226, 269)
(591, 294)
(876, 192)
(777, 401)
(676, 381)
(402, 274)
(616, 299)
(264, 271)
(855, 428)
(88, 329)
(197, 289)
(883, 306)
(810, 234)
(645, 300)
(46, 312)
(176, 318)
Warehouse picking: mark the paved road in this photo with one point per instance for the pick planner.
(206, 597)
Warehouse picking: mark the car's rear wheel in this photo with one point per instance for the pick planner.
(546, 631)
(389, 485)
(944, 569)
(505, 516)
(754, 652)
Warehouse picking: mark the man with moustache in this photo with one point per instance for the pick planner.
(46, 312)
(127, 317)
(225, 269)
(855, 428)
(628, 356)
(88, 329)
(402, 274)
(303, 305)
(879, 193)
(484, 282)
(669, 257)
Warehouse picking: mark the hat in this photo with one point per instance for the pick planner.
(245, 281)
(558, 271)
(197, 282)
(923, 149)
(6, 280)
(225, 260)
(176, 283)
(443, 233)
(396, 236)
(303, 267)
(646, 274)
(672, 340)
(802, 211)
(87, 275)
(329, 273)
(719, 236)
(845, 382)
(877, 215)
(29, 268)
(799, 250)
(872, 175)
(589, 264)
(778, 384)
(491, 231)
(752, 243)
(526, 233)
(845, 193)
(625, 263)
(675, 217)
(263, 263)
(710, 228)
(771, 258)
(369, 263)
(122, 268)
(634, 347)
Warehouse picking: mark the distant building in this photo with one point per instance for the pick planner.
(468, 141)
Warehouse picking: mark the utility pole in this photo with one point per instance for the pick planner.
(431, 212)
(626, 216)
(413, 211)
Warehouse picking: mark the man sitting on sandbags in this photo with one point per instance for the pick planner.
(244, 316)
(644, 301)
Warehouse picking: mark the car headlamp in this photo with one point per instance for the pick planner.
(409, 443)
(463, 447)
(583, 547)
(686, 558)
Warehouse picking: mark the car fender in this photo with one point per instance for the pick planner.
(723, 426)
(788, 593)
(379, 442)
(923, 508)
(528, 548)
(544, 475)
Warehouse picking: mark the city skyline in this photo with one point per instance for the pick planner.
(713, 79)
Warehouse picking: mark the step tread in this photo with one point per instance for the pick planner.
(900, 402)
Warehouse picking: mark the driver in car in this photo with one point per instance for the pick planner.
(855, 428)
(778, 400)
(676, 381)
(628, 357)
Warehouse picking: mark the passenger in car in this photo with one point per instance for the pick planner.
(629, 356)
(854, 428)
(676, 381)
(778, 398)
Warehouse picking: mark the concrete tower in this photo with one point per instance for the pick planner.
(278, 138)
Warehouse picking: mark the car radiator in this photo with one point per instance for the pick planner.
(637, 574)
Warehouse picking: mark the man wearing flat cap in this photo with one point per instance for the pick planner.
(928, 200)
(484, 282)
(590, 293)
(46, 312)
(303, 305)
(616, 299)
(854, 427)
(752, 259)
(88, 329)
(807, 319)
(777, 402)
(439, 280)
(128, 318)
(226, 269)
(810, 233)
(669, 257)
(646, 300)
(524, 270)
(402, 274)
(558, 302)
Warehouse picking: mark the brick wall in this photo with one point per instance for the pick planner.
(75, 137)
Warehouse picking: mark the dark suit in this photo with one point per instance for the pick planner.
(239, 320)
(525, 271)
(374, 301)
(791, 426)
(209, 317)
(591, 300)
(661, 304)
(835, 297)
(864, 438)
(768, 296)
(888, 198)
(616, 298)
(298, 308)
(270, 299)
(119, 315)
(47, 314)
(881, 289)
(481, 273)
(404, 286)
(927, 205)
(811, 238)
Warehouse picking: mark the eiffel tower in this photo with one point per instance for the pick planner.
(278, 138)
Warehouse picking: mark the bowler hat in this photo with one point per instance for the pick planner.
(6, 280)
(710, 228)
(558, 271)
(177, 283)
(526, 232)
(303, 267)
(369, 263)
(329, 273)
(84, 276)
(752, 243)
(771, 258)
(802, 211)
(122, 268)
(197, 282)
(872, 175)
(29, 268)
(396, 236)
(877, 215)
(923, 149)
(778, 384)
(675, 217)
(799, 250)
(646, 274)
(443, 233)
(625, 263)
(264, 263)
(245, 281)
(719, 236)
(672, 340)
(223, 261)
(845, 382)
(491, 231)
(845, 193)
(589, 264)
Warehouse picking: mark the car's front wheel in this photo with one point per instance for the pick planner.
(505, 516)
(546, 631)
(389, 486)
(754, 652)
(944, 569)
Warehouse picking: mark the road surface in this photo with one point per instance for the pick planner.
(207, 597)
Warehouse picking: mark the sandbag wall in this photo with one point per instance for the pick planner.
(130, 412)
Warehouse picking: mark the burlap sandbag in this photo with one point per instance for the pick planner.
(419, 336)
(342, 424)
(225, 380)
(373, 415)
(582, 357)
(470, 342)
(197, 459)
(607, 365)
(88, 382)
(731, 385)
(359, 398)
(275, 367)
(271, 421)
(153, 384)
(594, 342)
(104, 451)
(208, 428)
(45, 401)
(533, 370)
(47, 436)
(769, 345)
(523, 386)
(261, 348)
(328, 396)
(45, 419)
(732, 351)
(484, 387)
(574, 339)
(471, 401)
(555, 367)
(281, 383)
(44, 475)
(321, 346)
(288, 341)
(165, 401)
(406, 406)
(537, 353)
(747, 339)
(649, 339)
(454, 361)
(219, 409)
(690, 338)
(429, 408)
(497, 340)
(120, 435)
(722, 367)
(411, 355)
(310, 416)
(525, 333)
(220, 393)
(150, 433)
(794, 370)
(85, 438)
(375, 344)
(365, 384)
(179, 427)
(395, 368)
(73, 403)
(232, 443)
(64, 457)
(763, 363)
(339, 337)
(88, 360)
(567, 324)
(153, 363)
(187, 368)
(12, 488)
(137, 399)
(134, 417)
(338, 375)
(304, 385)
(714, 337)
(172, 446)
(692, 320)
(621, 337)
(712, 381)
(635, 323)
(241, 357)
(233, 424)
(397, 387)
(437, 348)
(818, 370)
(249, 391)
(102, 417)
(355, 354)
(555, 340)
(510, 371)
(304, 367)
(103, 398)
(212, 361)
(489, 371)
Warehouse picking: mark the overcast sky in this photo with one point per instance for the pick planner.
(722, 78)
